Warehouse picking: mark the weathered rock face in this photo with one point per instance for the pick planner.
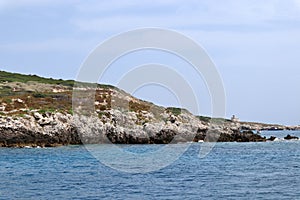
(54, 129)
(29, 131)
(124, 128)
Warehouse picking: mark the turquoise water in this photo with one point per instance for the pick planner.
(231, 171)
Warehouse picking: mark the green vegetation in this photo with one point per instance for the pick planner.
(7, 100)
(42, 98)
(213, 120)
(39, 95)
(49, 110)
(204, 118)
(70, 111)
(15, 77)
(21, 115)
(174, 111)
(220, 120)
(5, 90)
(45, 101)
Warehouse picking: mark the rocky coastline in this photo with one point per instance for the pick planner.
(39, 112)
(56, 129)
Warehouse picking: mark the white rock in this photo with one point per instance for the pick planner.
(19, 100)
(37, 116)
(2, 108)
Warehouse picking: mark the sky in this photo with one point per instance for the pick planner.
(254, 44)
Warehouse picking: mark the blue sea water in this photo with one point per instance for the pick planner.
(268, 170)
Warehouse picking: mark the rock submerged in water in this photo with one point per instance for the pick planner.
(290, 137)
(245, 136)
(272, 138)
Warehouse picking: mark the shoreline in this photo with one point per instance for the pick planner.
(36, 111)
(65, 129)
(35, 146)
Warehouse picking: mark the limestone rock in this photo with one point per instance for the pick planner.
(37, 116)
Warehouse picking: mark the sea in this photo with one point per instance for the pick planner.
(269, 170)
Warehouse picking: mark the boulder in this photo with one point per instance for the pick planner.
(272, 138)
(37, 116)
(290, 137)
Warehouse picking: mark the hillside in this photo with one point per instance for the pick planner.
(38, 111)
(21, 94)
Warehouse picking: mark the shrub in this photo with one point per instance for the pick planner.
(39, 95)
(174, 111)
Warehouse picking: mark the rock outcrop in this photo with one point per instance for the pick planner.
(46, 131)
(272, 138)
(46, 112)
(290, 137)
(54, 129)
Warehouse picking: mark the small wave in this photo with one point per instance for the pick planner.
(282, 139)
(293, 140)
(33, 147)
(278, 139)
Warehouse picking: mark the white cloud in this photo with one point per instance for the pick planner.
(181, 14)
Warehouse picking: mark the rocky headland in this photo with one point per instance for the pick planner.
(36, 111)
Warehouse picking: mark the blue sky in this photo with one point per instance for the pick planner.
(255, 45)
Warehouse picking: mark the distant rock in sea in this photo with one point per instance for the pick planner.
(290, 137)
(272, 138)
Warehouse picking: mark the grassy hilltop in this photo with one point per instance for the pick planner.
(20, 94)
(24, 94)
